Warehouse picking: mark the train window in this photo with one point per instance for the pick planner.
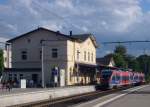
(123, 78)
(127, 77)
(105, 76)
(118, 77)
(113, 78)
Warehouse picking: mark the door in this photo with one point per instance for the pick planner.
(35, 78)
(62, 77)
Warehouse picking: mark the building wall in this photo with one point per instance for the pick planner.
(31, 44)
(67, 54)
(72, 48)
(25, 75)
(112, 63)
(7, 58)
(50, 63)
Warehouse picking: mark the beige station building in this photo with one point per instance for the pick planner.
(50, 57)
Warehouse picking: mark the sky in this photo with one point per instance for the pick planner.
(107, 20)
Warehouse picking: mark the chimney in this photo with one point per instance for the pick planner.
(58, 31)
(70, 33)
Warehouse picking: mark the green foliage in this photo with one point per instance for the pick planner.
(144, 62)
(1, 61)
(119, 56)
(124, 60)
(120, 49)
(119, 60)
(132, 63)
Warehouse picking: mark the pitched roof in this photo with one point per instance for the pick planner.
(80, 37)
(35, 30)
(83, 37)
(104, 60)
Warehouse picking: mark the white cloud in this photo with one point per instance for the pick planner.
(64, 3)
(109, 20)
(96, 15)
(2, 39)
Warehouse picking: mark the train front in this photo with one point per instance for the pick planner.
(105, 78)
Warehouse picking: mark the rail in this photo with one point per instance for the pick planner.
(71, 100)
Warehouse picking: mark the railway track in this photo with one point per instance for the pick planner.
(71, 100)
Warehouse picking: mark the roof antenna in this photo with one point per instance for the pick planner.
(38, 26)
(70, 33)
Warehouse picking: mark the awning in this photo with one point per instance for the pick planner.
(86, 67)
(22, 70)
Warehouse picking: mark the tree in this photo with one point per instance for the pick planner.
(143, 60)
(1, 61)
(119, 56)
(132, 63)
(144, 63)
(119, 60)
(120, 49)
(124, 60)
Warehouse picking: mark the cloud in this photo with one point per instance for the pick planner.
(108, 20)
(2, 39)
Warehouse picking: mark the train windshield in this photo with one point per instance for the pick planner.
(106, 74)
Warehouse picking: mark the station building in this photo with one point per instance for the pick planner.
(38, 54)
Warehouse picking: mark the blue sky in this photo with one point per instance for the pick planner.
(145, 4)
(108, 20)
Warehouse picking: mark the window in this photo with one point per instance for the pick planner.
(28, 40)
(85, 55)
(24, 55)
(5, 59)
(40, 54)
(70, 76)
(113, 78)
(78, 52)
(88, 56)
(10, 77)
(54, 53)
(21, 76)
(15, 77)
(92, 57)
(71, 73)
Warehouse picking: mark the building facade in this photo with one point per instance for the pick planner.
(52, 57)
(7, 58)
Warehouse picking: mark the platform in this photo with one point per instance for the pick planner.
(134, 97)
(20, 96)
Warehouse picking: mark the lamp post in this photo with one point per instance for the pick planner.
(78, 66)
(42, 61)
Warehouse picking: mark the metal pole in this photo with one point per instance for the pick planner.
(77, 73)
(78, 68)
(42, 61)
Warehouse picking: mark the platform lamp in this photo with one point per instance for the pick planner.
(78, 54)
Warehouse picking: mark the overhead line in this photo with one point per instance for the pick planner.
(125, 42)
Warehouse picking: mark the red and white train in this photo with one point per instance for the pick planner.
(117, 78)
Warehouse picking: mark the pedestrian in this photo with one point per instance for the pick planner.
(31, 83)
(0, 85)
(3, 85)
(8, 86)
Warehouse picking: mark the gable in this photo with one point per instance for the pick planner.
(88, 42)
(38, 31)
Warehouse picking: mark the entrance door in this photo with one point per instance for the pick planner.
(62, 77)
(35, 78)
